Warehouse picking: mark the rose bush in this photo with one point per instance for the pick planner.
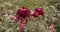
(24, 13)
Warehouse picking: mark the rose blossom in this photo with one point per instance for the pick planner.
(23, 12)
(39, 11)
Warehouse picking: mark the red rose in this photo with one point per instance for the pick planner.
(39, 11)
(23, 12)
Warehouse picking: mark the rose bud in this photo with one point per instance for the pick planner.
(22, 26)
(15, 18)
(52, 27)
(35, 15)
(32, 12)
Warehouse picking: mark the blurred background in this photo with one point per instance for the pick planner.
(41, 24)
